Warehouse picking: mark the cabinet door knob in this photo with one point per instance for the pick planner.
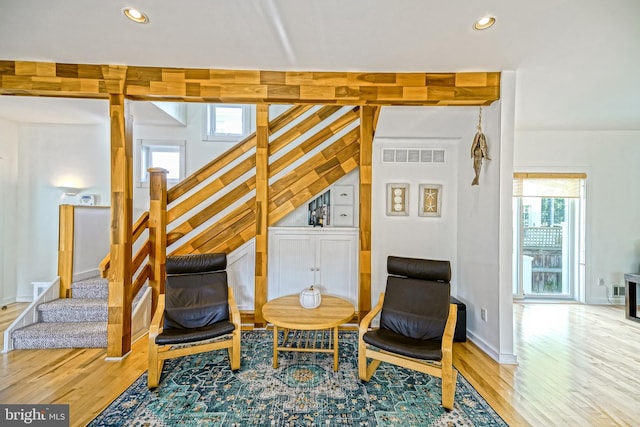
(343, 214)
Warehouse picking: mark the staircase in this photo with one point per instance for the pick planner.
(77, 322)
(215, 209)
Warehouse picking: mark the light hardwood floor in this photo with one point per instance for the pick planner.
(578, 366)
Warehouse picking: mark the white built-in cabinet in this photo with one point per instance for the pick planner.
(343, 212)
(303, 256)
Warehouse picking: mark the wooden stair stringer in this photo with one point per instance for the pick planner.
(287, 194)
(244, 146)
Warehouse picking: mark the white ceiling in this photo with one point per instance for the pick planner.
(576, 61)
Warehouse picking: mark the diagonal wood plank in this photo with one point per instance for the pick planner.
(312, 142)
(220, 228)
(208, 170)
(212, 209)
(292, 178)
(238, 226)
(320, 173)
(210, 189)
(233, 153)
(298, 130)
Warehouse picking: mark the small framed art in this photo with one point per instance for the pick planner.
(397, 199)
(430, 200)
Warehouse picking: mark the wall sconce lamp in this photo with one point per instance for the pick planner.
(70, 191)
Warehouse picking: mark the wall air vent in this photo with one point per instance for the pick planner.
(412, 155)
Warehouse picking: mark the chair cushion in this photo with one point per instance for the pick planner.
(415, 268)
(411, 347)
(196, 300)
(415, 308)
(185, 336)
(196, 263)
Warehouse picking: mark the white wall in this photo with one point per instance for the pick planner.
(91, 242)
(479, 235)
(413, 236)
(507, 135)
(610, 159)
(8, 214)
(469, 233)
(50, 156)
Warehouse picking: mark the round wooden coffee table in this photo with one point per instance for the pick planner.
(304, 328)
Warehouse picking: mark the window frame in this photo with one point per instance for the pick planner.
(146, 147)
(209, 122)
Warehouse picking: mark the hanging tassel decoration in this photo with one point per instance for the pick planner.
(479, 150)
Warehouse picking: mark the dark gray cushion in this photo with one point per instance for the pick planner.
(196, 263)
(415, 308)
(196, 299)
(413, 317)
(185, 336)
(415, 268)
(398, 344)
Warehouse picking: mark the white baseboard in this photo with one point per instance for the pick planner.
(117, 359)
(508, 359)
(502, 358)
(605, 301)
(7, 301)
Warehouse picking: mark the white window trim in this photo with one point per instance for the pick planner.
(208, 131)
(142, 148)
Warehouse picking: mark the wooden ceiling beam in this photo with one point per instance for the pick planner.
(247, 86)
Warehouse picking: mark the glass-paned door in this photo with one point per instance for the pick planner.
(547, 246)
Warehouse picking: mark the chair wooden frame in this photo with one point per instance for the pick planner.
(442, 369)
(159, 353)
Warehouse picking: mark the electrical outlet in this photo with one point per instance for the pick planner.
(601, 282)
(483, 314)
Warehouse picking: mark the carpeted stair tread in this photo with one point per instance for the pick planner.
(61, 335)
(77, 322)
(96, 287)
(74, 310)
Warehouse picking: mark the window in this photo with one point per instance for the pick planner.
(169, 155)
(227, 122)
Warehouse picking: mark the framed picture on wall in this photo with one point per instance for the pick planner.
(397, 199)
(430, 200)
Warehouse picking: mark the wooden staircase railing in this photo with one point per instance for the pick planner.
(215, 211)
(311, 174)
(138, 228)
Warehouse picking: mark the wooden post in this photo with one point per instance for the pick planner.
(157, 232)
(65, 249)
(262, 210)
(368, 118)
(119, 317)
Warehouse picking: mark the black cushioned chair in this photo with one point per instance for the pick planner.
(197, 312)
(417, 323)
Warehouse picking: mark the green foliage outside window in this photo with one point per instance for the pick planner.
(552, 212)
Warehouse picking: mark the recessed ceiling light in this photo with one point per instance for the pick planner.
(484, 23)
(135, 15)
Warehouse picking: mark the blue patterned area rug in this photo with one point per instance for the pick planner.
(201, 390)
